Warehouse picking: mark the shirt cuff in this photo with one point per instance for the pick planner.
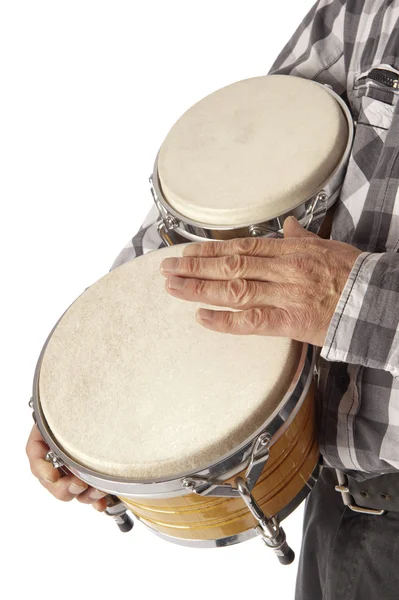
(364, 328)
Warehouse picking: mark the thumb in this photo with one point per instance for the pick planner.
(292, 228)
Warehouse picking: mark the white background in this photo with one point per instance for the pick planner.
(89, 89)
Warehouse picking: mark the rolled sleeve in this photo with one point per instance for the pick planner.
(364, 328)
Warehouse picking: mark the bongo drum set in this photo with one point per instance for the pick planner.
(207, 439)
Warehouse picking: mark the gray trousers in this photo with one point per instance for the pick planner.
(345, 555)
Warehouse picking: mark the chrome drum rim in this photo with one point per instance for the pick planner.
(226, 467)
(174, 222)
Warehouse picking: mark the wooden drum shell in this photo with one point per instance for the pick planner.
(293, 458)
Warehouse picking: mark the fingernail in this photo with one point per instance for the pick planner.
(96, 495)
(293, 218)
(176, 283)
(47, 479)
(170, 265)
(97, 508)
(192, 250)
(205, 315)
(76, 489)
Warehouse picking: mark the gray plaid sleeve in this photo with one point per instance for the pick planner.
(365, 327)
(146, 239)
(315, 50)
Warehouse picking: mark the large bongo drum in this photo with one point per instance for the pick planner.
(247, 156)
(208, 439)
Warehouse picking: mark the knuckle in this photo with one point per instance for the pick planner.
(239, 291)
(208, 249)
(256, 318)
(281, 319)
(300, 262)
(44, 484)
(227, 320)
(235, 265)
(191, 266)
(300, 320)
(245, 245)
(295, 293)
(61, 493)
(35, 465)
(34, 468)
(198, 287)
(304, 242)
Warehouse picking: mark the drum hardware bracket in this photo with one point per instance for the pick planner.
(269, 528)
(33, 412)
(54, 459)
(258, 458)
(272, 534)
(118, 511)
(168, 221)
(348, 500)
(259, 231)
(319, 204)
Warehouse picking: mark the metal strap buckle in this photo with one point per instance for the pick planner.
(349, 501)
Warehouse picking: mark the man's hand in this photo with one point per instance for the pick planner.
(64, 488)
(281, 287)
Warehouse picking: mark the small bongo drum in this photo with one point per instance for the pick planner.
(208, 439)
(244, 158)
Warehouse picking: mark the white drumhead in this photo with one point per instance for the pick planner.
(252, 151)
(132, 386)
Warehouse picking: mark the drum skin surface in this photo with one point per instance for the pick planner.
(290, 464)
(252, 151)
(132, 386)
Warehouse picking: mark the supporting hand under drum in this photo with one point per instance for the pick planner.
(281, 287)
(64, 488)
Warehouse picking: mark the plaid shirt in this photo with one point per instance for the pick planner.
(338, 43)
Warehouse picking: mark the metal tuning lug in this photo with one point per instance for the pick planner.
(259, 456)
(54, 459)
(33, 412)
(204, 487)
(118, 511)
(317, 211)
(168, 223)
(269, 529)
(257, 460)
(255, 231)
(57, 463)
(263, 230)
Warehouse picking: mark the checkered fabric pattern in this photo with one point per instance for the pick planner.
(338, 43)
